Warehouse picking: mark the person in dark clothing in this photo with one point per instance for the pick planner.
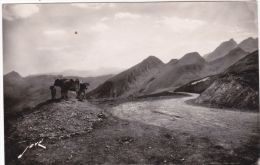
(82, 90)
(77, 87)
(53, 92)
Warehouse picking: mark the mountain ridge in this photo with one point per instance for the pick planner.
(249, 44)
(236, 87)
(221, 50)
(129, 81)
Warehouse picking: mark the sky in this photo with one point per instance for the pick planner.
(47, 38)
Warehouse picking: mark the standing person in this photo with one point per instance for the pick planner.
(77, 87)
(82, 90)
(53, 92)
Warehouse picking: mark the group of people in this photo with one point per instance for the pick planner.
(69, 85)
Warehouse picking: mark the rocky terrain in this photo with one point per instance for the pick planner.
(237, 87)
(138, 132)
(51, 121)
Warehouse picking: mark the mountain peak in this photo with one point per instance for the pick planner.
(173, 61)
(221, 50)
(249, 39)
(128, 82)
(229, 43)
(13, 74)
(232, 41)
(152, 60)
(191, 55)
(191, 58)
(250, 44)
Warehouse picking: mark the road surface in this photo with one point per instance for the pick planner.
(229, 129)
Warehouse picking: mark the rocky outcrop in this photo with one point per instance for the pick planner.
(58, 120)
(237, 87)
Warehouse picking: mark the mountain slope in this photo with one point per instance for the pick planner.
(186, 69)
(221, 50)
(26, 92)
(221, 64)
(250, 44)
(197, 86)
(12, 76)
(129, 82)
(237, 87)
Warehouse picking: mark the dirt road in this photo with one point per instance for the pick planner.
(150, 131)
(226, 128)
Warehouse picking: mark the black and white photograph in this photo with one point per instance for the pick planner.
(146, 83)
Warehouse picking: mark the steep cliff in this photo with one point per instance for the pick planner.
(237, 87)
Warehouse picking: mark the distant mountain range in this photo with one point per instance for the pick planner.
(248, 45)
(26, 92)
(88, 73)
(152, 75)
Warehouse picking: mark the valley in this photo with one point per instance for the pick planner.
(192, 110)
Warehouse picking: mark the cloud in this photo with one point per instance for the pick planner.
(80, 5)
(121, 34)
(54, 32)
(53, 48)
(126, 15)
(179, 24)
(94, 6)
(99, 27)
(11, 12)
(104, 19)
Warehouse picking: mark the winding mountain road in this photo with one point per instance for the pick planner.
(224, 127)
